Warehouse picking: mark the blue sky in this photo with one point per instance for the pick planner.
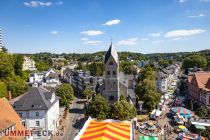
(84, 26)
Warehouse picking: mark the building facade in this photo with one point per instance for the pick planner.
(111, 76)
(199, 87)
(39, 110)
(29, 64)
(81, 80)
(116, 83)
(45, 79)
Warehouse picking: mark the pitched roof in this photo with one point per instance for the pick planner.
(105, 130)
(202, 79)
(111, 52)
(52, 75)
(36, 98)
(161, 74)
(9, 118)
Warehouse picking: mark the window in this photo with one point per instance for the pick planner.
(114, 73)
(37, 114)
(37, 123)
(108, 72)
(20, 114)
(111, 98)
(24, 124)
(111, 63)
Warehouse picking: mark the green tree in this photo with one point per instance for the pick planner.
(6, 65)
(66, 94)
(122, 110)
(202, 111)
(98, 108)
(18, 64)
(146, 73)
(163, 63)
(146, 89)
(194, 60)
(88, 93)
(42, 66)
(16, 85)
(96, 68)
(3, 89)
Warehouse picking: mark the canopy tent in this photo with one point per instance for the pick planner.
(181, 127)
(158, 113)
(200, 127)
(107, 130)
(183, 111)
(147, 138)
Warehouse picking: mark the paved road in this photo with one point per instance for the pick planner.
(76, 112)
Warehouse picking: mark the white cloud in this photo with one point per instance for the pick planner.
(144, 39)
(155, 34)
(127, 42)
(182, 1)
(177, 38)
(157, 41)
(37, 4)
(112, 22)
(183, 33)
(92, 43)
(92, 32)
(84, 39)
(196, 16)
(59, 3)
(54, 32)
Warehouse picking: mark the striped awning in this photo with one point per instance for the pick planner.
(107, 131)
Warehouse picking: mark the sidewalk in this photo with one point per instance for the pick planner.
(64, 125)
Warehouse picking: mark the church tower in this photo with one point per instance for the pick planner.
(111, 76)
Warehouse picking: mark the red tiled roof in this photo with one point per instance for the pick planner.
(9, 118)
(203, 80)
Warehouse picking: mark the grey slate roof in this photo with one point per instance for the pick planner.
(111, 52)
(52, 75)
(36, 98)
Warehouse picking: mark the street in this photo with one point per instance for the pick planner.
(76, 113)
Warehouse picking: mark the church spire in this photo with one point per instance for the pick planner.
(111, 52)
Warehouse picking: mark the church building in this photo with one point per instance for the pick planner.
(116, 83)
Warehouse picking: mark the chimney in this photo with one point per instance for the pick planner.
(9, 96)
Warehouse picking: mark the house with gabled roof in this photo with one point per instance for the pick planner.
(199, 87)
(10, 122)
(38, 109)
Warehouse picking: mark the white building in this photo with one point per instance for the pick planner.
(39, 110)
(1, 42)
(167, 78)
(162, 81)
(45, 79)
(29, 64)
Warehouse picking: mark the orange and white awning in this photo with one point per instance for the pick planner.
(107, 131)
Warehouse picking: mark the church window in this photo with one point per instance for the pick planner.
(114, 73)
(111, 63)
(108, 72)
(111, 98)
